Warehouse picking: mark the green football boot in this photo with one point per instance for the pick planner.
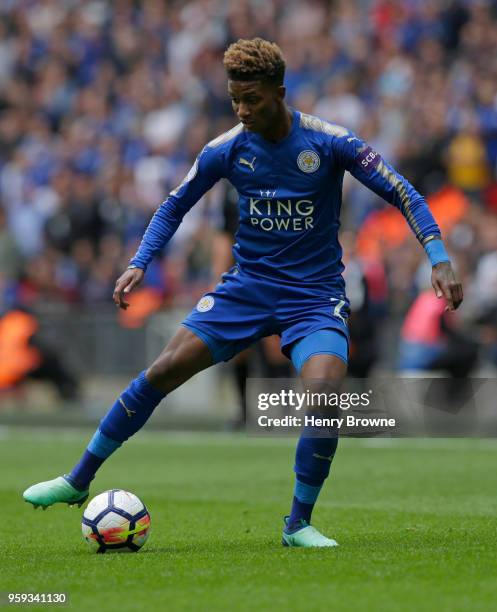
(306, 537)
(54, 491)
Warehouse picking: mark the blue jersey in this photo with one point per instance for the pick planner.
(290, 195)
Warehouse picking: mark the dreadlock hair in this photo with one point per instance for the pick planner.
(254, 60)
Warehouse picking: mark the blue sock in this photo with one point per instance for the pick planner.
(99, 448)
(304, 498)
(128, 414)
(312, 466)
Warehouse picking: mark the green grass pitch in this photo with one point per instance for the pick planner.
(416, 523)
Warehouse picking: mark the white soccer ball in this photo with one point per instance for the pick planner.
(116, 520)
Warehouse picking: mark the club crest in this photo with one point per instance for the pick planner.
(308, 161)
(205, 303)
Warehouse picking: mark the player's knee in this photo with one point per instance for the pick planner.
(183, 357)
(329, 369)
(322, 388)
(320, 392)
(165, 373)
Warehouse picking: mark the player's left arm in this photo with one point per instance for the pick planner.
(365, 164)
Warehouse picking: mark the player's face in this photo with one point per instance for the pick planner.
(257, 104)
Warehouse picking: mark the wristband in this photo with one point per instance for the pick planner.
(435, 249)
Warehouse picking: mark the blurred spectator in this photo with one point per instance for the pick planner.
(10, 254)
(431, 340)
(24, 354)
(468, 164)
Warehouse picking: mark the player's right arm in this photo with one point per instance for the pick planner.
(207, 170)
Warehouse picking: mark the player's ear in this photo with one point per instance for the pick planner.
(281, 92)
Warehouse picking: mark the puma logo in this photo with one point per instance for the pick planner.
(337, 311)
(330, 458)
(242, 160)
(129, 412)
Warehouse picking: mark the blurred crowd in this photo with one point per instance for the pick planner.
(104, 105)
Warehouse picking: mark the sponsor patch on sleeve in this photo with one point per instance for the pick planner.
(368, 159)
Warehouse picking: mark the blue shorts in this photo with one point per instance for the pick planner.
(242, 309)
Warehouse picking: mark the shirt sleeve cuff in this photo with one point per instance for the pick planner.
(136, 264)
(435, 249)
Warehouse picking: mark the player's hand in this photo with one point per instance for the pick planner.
(125, 284)
(446, 285)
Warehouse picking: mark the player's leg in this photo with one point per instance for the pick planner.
(223, 323)
(185, 355)
(321, 360)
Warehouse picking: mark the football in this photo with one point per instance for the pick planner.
(116, 521)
